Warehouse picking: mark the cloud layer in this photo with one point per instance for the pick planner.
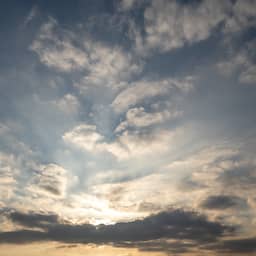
(128, 124)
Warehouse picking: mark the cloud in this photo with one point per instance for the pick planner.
(100, 64)
(128, 118)
(141, 143)
(33, 220)
(128, 144)
(8, 175)
(58, 51)
(32, 14)
(139, 91)
(243, 16)
(109, 66)
(187, 184)
(175, 224)
(242, 62)
(168, 25)
(49, 180)
(171, 24)
(241, 176)
(22, 236)
(249, 75)
(164, 246)
(137, 117)
(84, 136)
(241, 246)
(222, 202)
(68, 104)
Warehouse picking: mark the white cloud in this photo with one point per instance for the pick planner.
(84, 136)
(138, 144)
(138, 92)
(137, 117)
(108, 66)
(129, 144)
(103, 65)
(58, 51)
(169, 24)
(141, 90)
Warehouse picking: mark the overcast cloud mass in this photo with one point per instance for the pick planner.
(127, 127)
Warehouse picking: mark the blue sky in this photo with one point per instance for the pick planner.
(126, 113)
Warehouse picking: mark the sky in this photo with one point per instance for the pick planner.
(127, 128)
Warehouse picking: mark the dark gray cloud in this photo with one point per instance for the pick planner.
(247, 245)
(175, 224)
(241, 246)
(187, 230)
(221, 202)
(33, 219)
(22, 236)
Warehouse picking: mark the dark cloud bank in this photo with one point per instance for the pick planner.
(187, 230)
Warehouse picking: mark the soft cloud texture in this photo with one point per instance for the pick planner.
(137, 117)
(49, 180)
(140, 91)
(128, 128)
